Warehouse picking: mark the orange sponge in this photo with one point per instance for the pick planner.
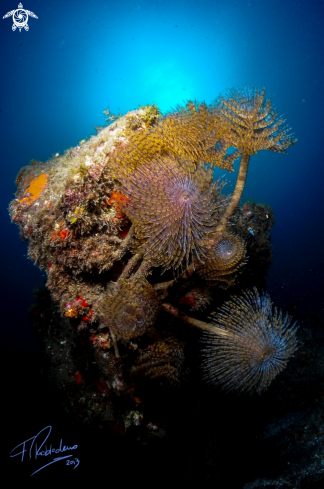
(35, 188)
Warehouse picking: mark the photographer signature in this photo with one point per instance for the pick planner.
(37, 449)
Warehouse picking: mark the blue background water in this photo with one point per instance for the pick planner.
(79, 57)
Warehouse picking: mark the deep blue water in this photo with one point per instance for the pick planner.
(79, 57)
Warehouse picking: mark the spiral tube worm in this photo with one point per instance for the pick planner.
(162, 362)
(130, 309)
(225, 259)
(173, 208)
(247, 343)
(194, 133)
(253, 125)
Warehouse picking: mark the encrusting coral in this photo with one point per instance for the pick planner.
(140, 198)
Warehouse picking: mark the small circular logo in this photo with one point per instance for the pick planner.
(20, 18)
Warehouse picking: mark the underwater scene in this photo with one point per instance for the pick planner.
(162, 211)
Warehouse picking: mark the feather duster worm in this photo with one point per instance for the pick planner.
(248, 344)
(252, 122)
(225, 259)
(162, 362)
(252, 125)
(193, 132)
(131, 309)
(174, 210)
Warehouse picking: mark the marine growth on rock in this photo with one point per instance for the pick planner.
(107, 217)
